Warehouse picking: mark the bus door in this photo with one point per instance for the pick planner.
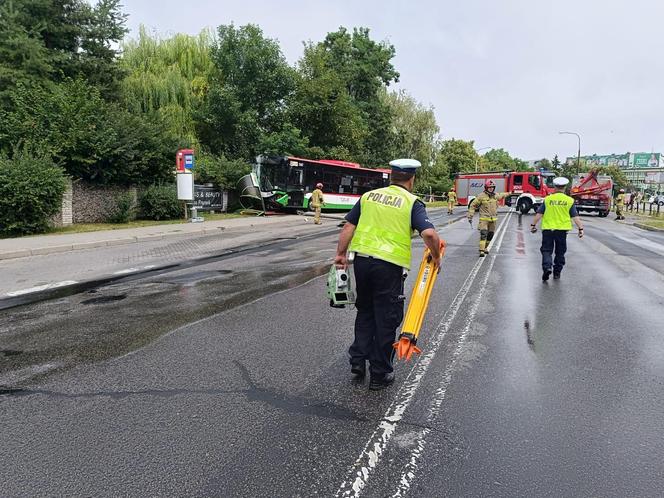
(295, 184)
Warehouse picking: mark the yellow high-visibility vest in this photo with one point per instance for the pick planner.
(384, 228)
(556, 212)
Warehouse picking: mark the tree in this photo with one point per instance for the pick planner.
(247, 92)
(365, 68)
(168, 77)
(90, 138)
(414, 127)
(323, 109)
(555, 164)
(52, 40)
(458, 156)
(23, 56)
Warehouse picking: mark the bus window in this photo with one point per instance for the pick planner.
(296, 177)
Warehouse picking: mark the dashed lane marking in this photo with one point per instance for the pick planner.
(358, 475)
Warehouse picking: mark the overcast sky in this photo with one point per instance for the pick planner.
(504, 73)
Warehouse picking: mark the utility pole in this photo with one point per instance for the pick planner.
(477, 158)
(578, 157)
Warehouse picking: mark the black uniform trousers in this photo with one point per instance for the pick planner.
(379, 303)
(553, 241)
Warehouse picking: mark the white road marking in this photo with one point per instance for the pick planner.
(128, 270)
(38, 288)
(411, 468)
(369, 458)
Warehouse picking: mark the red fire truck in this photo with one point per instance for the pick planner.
(527, 188)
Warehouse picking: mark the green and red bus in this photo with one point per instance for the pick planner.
(286, 183)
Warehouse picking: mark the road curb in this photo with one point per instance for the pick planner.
(648, 227)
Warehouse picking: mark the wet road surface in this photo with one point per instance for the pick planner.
(523, 389)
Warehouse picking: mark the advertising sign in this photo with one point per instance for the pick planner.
(645, 160)
(620, 160)
(209, 198)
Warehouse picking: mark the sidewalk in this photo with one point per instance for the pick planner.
(632, 218)
(56, 243)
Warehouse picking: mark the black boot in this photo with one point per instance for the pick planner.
(545, 275)
(378, 383)
(359, 370)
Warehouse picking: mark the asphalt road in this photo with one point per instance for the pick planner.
(523, 388)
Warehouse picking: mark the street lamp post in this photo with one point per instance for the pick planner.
(477, 158)
(578, 157)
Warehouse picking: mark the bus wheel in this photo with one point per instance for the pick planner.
(524, 206)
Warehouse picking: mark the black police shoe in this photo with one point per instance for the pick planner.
(545, 275)
(378, 383)
(359, 370)
(556, 275)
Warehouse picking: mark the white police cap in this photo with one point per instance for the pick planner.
(560, 181)
(405, 165)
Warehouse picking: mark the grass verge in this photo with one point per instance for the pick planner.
(96, 227)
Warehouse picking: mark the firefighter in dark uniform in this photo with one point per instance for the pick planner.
(557, 213)
(378, 234)
(487, 204)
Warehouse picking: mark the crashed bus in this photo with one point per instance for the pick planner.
(284, 183)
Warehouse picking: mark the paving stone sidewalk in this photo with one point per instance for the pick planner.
(57, 243)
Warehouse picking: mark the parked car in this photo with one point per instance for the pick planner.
(656, 199)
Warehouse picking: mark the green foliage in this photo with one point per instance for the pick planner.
(324, 110)
(414, 127)
(220, 171)
(91, 138)
(168, 77)
(365, 69)
(31, 188)
(125, 209)
(545, 164)
(287, 141)
(247, 92)
(52, 40)
(458, 155)
(160, 202)
(500, 160)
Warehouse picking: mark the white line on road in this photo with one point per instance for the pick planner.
(38, 288)
(369, 458)
(411, 468)
(128, 270)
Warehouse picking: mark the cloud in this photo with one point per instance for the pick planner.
(509, 74)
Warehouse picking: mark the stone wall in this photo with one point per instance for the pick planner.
(96, 204)
(86, 203)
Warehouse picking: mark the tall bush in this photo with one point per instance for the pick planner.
(31, 188)
(160, 202)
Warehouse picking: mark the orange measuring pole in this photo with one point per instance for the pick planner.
(417, 306)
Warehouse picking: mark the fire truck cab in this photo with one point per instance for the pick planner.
(527, 188)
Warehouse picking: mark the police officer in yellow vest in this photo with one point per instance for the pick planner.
(557, 213)
(451, 200)
(378, 232)
(317, 201)
(487, 203)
